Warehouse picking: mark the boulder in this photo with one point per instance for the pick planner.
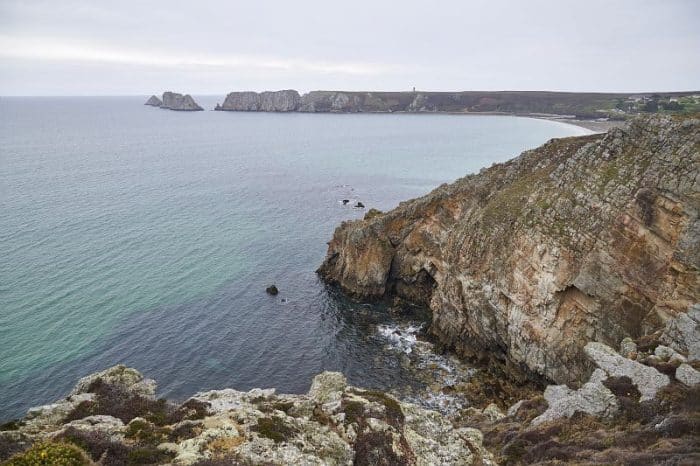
(647, 379)
(593, 398)
(687, 375)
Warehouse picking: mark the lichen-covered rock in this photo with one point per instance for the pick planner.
(647, 379)
(628, 348)
(334, 424)
(120, 376)
(593, 398)
(688, 375)
(585, 238)
(175, 101)
(682, 333)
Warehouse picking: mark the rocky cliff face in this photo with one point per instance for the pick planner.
(174, 101)
(269, 101)
(585, 238)
(154, 101)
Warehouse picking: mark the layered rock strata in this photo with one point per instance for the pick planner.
(584, 238)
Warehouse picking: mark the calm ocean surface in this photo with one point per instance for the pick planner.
(130, 234)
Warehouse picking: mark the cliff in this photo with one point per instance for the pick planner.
(277, 101)
(585, 238)
(154, 101)
(579, 104)
(174, 101)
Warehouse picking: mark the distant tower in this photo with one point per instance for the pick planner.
(414, 88)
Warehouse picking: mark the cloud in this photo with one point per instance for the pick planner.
(52, 49)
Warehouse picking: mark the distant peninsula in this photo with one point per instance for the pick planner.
(174, 101)
(575, 105)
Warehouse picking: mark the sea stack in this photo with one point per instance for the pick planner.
(154, 102)
(175, 101)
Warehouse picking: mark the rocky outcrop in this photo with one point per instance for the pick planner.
(585, 238)
(114, 417)
(174, 101)
(154, 101)
(269, 101)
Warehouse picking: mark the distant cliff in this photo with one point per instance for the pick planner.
(582, 105)
(585, 238)
(277, 101)
(174, 101)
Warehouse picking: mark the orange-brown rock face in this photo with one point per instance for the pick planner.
(585, 238)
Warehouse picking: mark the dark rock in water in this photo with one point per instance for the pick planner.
(284, 300)
(272, 290)
(154, 102)
(174, 101)
(360, 205)
(345, 201)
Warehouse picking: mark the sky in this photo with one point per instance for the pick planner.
(139, 47)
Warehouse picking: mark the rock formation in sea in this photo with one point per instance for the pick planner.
(591, 238)
(269, 101)
(154, 102)
(174, 101)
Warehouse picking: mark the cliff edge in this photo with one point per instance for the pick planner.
(584, 238)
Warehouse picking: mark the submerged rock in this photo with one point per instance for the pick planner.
(591, 237)
(174, 101)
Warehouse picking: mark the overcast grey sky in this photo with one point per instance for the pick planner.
(93, 47)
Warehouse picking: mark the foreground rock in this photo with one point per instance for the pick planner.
(174, 101)
(277, 101)
(113, 416)
(585, 238)
(154, 101)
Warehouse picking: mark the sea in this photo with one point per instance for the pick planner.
(147, 237)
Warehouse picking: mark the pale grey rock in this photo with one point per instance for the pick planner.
(628, 347)
(175, 101)
(687, 375)
(154, 101)
(647, 379)
(327, 386)
(593, 398)
(493, 413)
(49, 417)
(513, 410)
(669, 354)
(682, 333)
(120, 376)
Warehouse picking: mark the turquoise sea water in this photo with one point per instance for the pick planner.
(130, 234)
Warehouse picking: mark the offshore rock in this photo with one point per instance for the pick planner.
(584, 238)
(154, 101)
(270, 101)
(174, 101)
(117, 421)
